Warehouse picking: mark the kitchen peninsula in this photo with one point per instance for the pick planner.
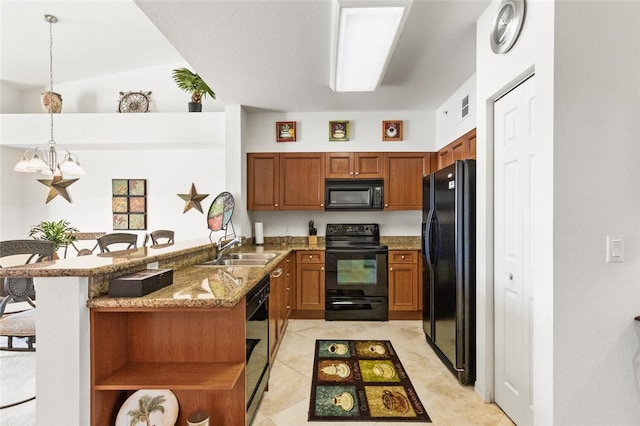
(77, 324)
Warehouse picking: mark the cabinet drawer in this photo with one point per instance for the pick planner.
(397, 256)
(310, 256)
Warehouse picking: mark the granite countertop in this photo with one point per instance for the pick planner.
(110, 263)
(193, 286)
(199, 286)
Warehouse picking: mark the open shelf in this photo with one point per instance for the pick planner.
(198, 354)
(206, 376)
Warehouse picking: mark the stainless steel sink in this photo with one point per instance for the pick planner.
(242, 259)
(236, 262)
(252, 256)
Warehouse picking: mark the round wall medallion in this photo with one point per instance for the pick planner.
(134, 101)
(507, 25)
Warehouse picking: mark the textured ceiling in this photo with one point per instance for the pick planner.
(270, 55)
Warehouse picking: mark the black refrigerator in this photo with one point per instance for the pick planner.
(449, 266)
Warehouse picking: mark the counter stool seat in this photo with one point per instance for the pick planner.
(19, 325)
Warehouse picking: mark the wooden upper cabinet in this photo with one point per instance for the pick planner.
(302, 181)
(363, 165)
(461, 149)
(403, 183)
(263, 176)
(472, 146)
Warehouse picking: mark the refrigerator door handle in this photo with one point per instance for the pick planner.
(426, 240)
(436, 254)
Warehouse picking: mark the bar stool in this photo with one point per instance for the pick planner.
(84, 236)
(21, 324)
(161, 234)
(131, 241)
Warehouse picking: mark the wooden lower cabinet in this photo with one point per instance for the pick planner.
(197, 353)
(280, 302)
(310, 284)
(405, 292)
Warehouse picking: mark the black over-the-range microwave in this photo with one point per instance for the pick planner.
(353, 194)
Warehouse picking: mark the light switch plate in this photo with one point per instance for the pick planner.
(615, 249)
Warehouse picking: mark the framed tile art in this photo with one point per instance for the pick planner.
(392, 130)
(339, 130)
(129, 204)
(285, 131)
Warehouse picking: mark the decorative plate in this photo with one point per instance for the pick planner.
(161, 404)
(134, 101)
(220, 211)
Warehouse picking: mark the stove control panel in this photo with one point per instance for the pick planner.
(356, 229)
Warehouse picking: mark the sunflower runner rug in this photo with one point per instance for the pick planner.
(362, 380)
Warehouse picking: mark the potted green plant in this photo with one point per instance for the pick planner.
(60, 232)
(192, 83)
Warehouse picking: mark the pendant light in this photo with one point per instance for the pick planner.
(46, 162)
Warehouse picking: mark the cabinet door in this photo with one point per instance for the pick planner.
(403, 281)
(290, 284)
(302, 181)
(339, 165)
(403, 185)
(462, 148)
(262, 181)
(310, 281)
(275, 303)
(364, 165)
(472, 145)
(369, 165)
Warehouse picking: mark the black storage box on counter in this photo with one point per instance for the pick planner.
(141, 283)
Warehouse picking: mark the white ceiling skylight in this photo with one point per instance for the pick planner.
(363, 38)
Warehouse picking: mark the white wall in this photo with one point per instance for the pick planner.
(10, 98)
(495, 74)
(101, 94)
(586, 352)
(450, 124)
(168, 173)
(596, 193)
(313, 136)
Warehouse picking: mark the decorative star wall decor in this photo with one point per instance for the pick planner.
(57, 186)
(193, 199)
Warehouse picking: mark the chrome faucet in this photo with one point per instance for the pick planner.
(227, 245)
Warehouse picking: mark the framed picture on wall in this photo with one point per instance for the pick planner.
(129, 204)
(339, 130)
(285, 131)
(392, 130)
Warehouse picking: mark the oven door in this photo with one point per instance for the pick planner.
(359, 269)
(356, 284)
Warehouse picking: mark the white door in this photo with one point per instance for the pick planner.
(514, 163)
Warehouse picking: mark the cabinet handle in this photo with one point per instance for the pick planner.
(322, 268)
(386, 205)
(510, 276)
(277, 273)
(351, 173)
(357, 173)
(402, 257)
(391, 269)
(321, 204)
(276, 204)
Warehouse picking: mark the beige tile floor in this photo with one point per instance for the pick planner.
(447, 402)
